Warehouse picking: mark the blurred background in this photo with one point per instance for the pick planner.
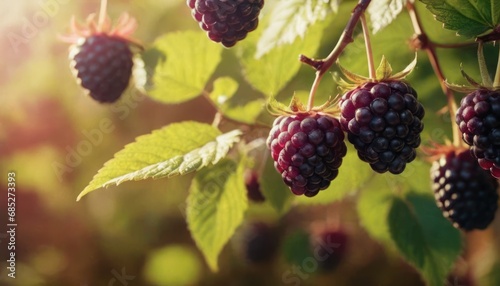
(50, 136)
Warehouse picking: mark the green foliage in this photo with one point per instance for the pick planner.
(468, 18)
(383, 12)
(291, 20)
(271, 72)
(177, 149)
(424, 236)
(186, 63)
(215, 207)
(224, 90)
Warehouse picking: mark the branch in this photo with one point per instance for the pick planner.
(322, 66)
(430, 47)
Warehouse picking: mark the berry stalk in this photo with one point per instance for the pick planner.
(102, 14)
(483, 69)
(496, 81)
(368, 46)
(430, 49)
(323, 65)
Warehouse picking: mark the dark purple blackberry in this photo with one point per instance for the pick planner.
(258, 242)
(466, 194)
(307, 151)
(478, 117)
(383, 121)
(226, 21)
(330, 247)
(254, 193)
(103, 66)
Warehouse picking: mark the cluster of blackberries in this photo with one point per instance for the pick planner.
(226, 21)
(383, 120)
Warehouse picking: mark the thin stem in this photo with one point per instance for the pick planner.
(322, 66)
(430, 48)
(496, 81)
(368, 46)
(483, 69)
(102, 14)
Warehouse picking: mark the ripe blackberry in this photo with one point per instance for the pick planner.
(383, 121)
(226, 21)
(478, 117)
(251, 179)
(103, 66)
(466, 194)
(101, 57)
(307, 151)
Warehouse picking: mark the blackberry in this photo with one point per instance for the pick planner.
(478, 117)
(331, 247)
(103, 66)
(226, 21)
(258, 242)
(251, 179)
(307, 151)
(465, 193)
(383, 121)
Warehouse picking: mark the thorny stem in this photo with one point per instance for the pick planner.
(368, 46)
(322, 66)
(496, 81)
(430, 48)
(102, 14)
(483, 69)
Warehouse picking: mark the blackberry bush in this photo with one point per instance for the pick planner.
(478, 118)
(307, 150)
(226, 22)
(101, 57)
(465, 193)
(254, 193)
(383, 120)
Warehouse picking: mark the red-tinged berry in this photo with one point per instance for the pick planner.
(252, 184)
(307, 150)
(331, 248)
(101, 57)
(478, 118)
(226, 21)
(383, 120)
(465, 193)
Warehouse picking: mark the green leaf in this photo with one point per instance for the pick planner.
(223, 97)
(177, 149)
(290, 20)
(373, 208)
(346, 183)
(383, 12)
(271, 72)
(215, 207)
(188, 61)
(424, 236)
(274, 189)
(384, 70)
(468, 18)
